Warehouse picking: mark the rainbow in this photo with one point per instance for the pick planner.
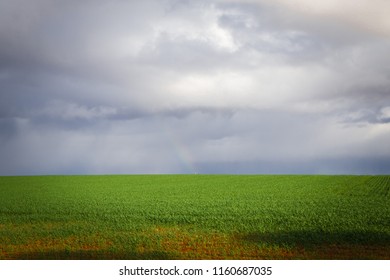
(181, 151)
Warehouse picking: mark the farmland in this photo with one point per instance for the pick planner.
(195, 217)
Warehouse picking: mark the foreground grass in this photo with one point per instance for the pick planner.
(195, 217)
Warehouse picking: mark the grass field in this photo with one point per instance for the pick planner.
(195, 217)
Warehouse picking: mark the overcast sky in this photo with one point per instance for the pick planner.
(179, 86)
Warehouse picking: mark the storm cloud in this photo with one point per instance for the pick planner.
(175, 86)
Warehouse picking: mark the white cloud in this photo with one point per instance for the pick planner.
(108, 86)
(200, 24)
(385, 114)
(72, 111)
(365, 15)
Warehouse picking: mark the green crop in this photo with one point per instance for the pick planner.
(195, 217)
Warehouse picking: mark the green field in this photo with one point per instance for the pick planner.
(195, 217)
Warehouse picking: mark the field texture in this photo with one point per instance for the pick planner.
(195, 217)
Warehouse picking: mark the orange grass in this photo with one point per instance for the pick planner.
(180, 243)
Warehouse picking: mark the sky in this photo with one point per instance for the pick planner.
(179, 86)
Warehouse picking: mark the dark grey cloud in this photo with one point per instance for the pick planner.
(193, 86)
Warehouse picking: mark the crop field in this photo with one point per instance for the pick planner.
(195, 217)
